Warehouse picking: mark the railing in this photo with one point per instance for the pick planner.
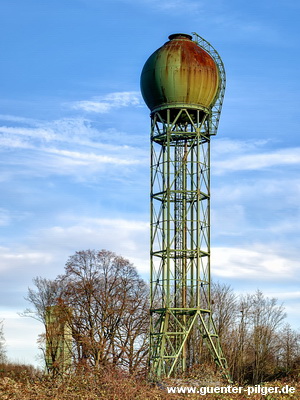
(217, 105)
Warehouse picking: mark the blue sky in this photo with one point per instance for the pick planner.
(74, 142)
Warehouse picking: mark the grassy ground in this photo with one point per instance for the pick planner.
(113, 385)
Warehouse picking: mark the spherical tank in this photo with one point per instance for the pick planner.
(180, 74)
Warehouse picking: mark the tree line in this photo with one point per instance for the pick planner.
(258, 343)
(104, 304)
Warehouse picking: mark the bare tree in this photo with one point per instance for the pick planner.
(46, 294)
(289, 355)
(104, 303)
(2, 344)
(257, 347)
(265, 318)
(241, 340)
(109, 308)
(225, 311)
(132, 334)
(224, 308)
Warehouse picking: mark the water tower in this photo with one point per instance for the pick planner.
(183, 84)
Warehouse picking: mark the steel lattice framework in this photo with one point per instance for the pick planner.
(180, 232)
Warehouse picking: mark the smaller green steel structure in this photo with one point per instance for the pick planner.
(58, 340)
(183, 84)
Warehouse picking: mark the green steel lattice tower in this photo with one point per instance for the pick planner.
(183, 84)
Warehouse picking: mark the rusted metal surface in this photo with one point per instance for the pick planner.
(180, 73)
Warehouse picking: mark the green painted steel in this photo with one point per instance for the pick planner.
(180, 201)
(216, 108)
(58, 340)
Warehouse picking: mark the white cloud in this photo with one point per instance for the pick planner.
(246, 190)
(291, 295)
(250, 155)
(225, 146)
(257, 262)
(67, 130)
(44, 252)
(35, 133)
(80, 158)
(70, 146)
(24, 132)
(289, 229)
(247, 162)
(106, 103)
(128, 238)
(22, 259)
(5, 217)
(48, 248)
(251, 209)
(14, 118)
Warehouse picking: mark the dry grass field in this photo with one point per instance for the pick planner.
(109, 384)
